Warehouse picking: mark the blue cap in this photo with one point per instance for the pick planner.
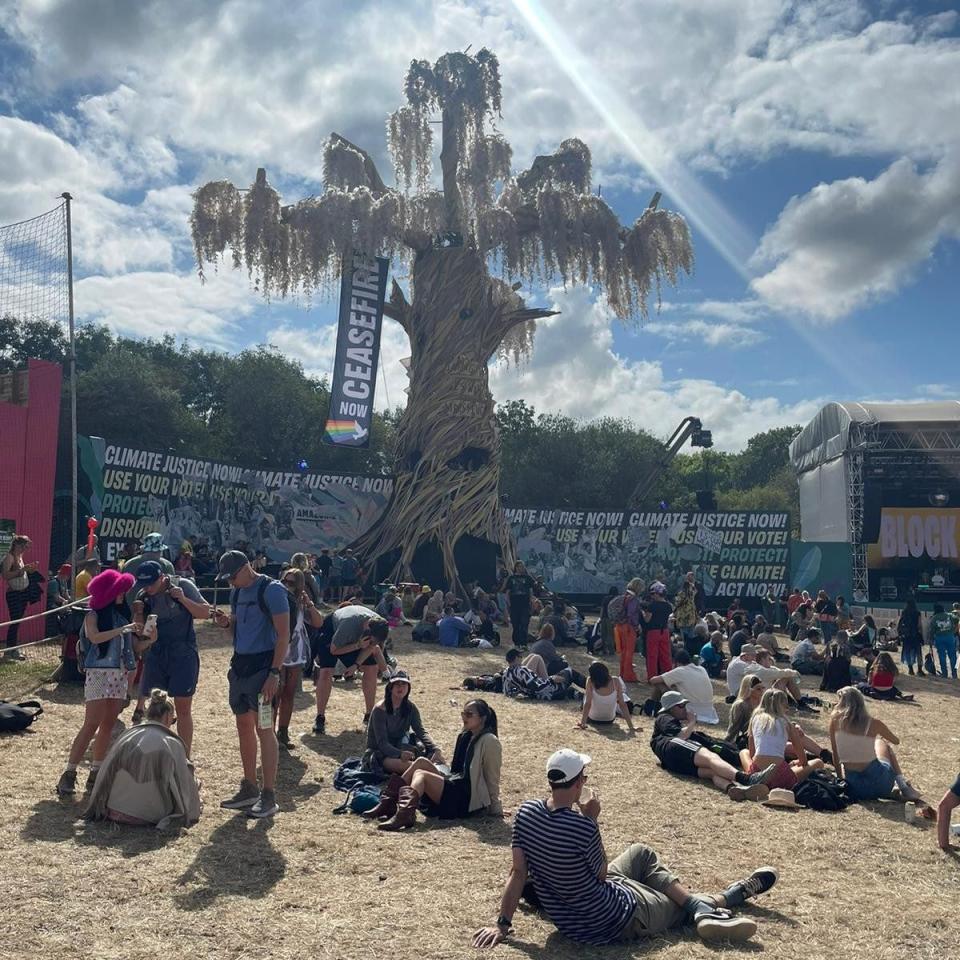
(149, 572)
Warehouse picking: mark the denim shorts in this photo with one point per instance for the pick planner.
(875, 780)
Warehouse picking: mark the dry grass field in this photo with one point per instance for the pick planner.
(861, 883)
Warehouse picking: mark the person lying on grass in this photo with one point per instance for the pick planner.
(472, 785)
(679, 751)
(559, 865)
(527, 678)
(605, 698)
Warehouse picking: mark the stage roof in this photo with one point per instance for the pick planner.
(827, 435)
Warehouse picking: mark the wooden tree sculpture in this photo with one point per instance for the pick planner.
(544, 224)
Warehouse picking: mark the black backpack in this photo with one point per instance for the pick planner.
(265, 581)
(823, 791)
(15, 717)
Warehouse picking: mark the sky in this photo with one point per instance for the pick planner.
(813, 147)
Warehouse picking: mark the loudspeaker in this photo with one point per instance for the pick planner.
(706, 501)
(872, 505)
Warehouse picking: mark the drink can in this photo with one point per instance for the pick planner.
(151, 625)
(909, 812)
(264, 712)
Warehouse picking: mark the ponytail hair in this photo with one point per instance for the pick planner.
(488, 714)
(160, 704)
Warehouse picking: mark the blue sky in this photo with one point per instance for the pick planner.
(814, 147)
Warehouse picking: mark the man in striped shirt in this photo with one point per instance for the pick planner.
(559, 849)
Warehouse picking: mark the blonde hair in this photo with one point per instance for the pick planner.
(547, 632)
(851, 711)
(299, 560)
(636, 586)
(772, 709)
(299, 580)
(160, 704)
(742, 710)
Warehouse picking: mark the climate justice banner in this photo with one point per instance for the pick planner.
(363, 287)
(134, 492)
(734, 554)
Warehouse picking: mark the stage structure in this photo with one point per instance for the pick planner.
(543, 224)
(888, 475)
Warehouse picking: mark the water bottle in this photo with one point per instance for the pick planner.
(909, 812)
(264, 712)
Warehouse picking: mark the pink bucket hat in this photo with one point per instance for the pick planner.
(105, 587)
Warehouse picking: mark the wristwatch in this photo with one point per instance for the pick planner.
(274, 671)
(503, 921)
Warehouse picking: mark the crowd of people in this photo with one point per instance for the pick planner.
(138, 642)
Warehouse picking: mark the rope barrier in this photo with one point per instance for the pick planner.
(43, 613)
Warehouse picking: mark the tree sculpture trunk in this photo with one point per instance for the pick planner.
(447, 472)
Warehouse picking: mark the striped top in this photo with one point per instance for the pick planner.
(564, 857)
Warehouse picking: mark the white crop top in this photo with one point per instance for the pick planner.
(603, 707)
(770, 743)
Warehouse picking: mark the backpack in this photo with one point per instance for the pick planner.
(350, 775)
(264, 582)
(359, 800)
(15, 717)
(617, 609)
(823, 791)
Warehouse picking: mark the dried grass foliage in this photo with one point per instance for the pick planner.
(542, 225)
(861, 883)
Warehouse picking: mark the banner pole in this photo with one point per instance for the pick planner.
(73, 395)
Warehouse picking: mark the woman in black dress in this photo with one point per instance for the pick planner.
(472, 785)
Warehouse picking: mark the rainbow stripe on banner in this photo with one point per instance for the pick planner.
(340, 431)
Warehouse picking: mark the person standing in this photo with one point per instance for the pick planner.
(626, 628)
(557, 846)
(910, 634)
(826, 611)
(155, 549)
(16, 578)
(349, 572)
(172, 663)
(942, 634)
(323, 563)
(259, 619)
(87, 572)
(519, 589)
(106, 651)
(685, 613)
(303, 616)
(656, 613)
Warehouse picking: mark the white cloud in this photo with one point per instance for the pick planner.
(711, 323)
(316, 349)
(152, 304)
(574, 369)
(846, 243)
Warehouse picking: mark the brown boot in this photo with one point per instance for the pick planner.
(406, 815)
(389, 794)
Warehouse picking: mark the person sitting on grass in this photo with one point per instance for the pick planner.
(395, 735)
(677, 752)
(471, 787)
(557, 847)
(880, 683)
(523, 679)
(770, 732)
(767, 640)
(453, 630)
(862, 751)
(605, 698)
(544, 647)
(781, 678)
(391, 608)
(146, 778)
(711, 655)
(950, 801)
(748, 699)
(806, 658)
(838, 669)
(693, 682)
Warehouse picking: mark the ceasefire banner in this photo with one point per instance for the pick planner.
(363, 287)
(134, 492)
(734, 554)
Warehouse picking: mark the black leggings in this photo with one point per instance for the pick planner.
(520, 618)
(17, 605)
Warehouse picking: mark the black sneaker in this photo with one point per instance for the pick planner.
(760, 881)
(245, 797)
(265, 806)
(366, 719)
(91, 781)
(320, 725)
(67, 784)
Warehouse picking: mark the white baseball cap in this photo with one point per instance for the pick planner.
(565, 765)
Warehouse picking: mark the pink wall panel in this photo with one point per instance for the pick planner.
(28, 462)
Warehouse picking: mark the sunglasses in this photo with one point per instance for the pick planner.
(467, 713)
